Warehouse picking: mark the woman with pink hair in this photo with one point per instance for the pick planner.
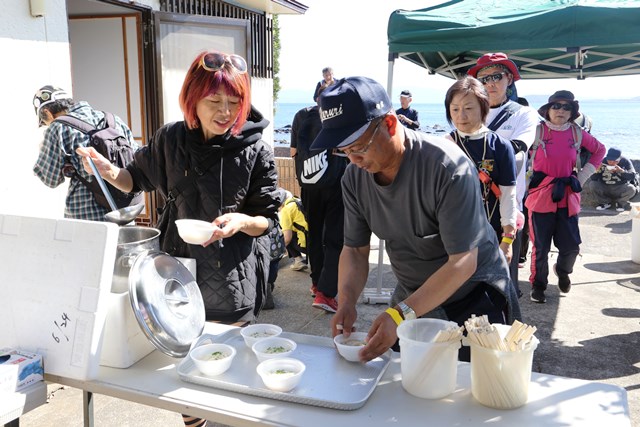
(213, 166)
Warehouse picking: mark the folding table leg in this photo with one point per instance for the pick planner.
(87, 408)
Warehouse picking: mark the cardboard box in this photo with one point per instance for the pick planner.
(19, 370)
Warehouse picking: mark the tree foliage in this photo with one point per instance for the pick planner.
(276, 59)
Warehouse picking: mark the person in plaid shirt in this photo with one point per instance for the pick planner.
(59, 148)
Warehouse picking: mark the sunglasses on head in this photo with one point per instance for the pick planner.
(565, 107)
(491, 78)
(214, 61)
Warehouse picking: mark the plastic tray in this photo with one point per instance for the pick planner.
(329, 381)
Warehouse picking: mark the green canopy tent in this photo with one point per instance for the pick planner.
(545, 38)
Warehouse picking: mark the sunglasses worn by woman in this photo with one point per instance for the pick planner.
(559, 105)
(215, 61)
(491, 78)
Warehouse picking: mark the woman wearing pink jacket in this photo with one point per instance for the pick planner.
(554, 190)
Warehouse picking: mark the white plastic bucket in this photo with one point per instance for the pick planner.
(635, 232)
(429, 369)
(500, 379)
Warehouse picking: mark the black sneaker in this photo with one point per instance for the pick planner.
(564, 282)
(537, 295)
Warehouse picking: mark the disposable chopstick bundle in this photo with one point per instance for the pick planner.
(453, 333)
(497, 389)
(434, 355)
(484, 334)
(519, 336)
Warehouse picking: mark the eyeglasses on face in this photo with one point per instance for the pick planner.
(491, 78)
(214, 61)
(559, 105)
(350, 152)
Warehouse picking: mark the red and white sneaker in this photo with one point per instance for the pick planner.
(325, 303)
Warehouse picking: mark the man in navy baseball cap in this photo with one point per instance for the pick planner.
(419, 193)
(346, 110)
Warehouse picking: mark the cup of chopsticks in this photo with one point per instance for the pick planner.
(501, 361)
(429, 356)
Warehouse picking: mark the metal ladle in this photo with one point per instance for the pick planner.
(120, 216)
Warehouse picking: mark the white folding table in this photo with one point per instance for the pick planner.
(553, 400)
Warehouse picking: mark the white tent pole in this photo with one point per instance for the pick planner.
(392, 60)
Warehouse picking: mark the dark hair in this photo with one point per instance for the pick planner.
(327, 70)
(465, 86)
(200, 83)
(55, 107)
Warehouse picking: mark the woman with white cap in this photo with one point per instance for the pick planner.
(554, 191)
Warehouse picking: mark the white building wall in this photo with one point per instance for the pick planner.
(36, 53)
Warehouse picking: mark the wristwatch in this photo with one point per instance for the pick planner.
(407, 312)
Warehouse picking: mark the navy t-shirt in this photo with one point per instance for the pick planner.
(494, 156)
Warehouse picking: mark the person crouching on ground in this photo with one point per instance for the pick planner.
(614, 183)
(553, 200)
(419, 193)
(295, 230)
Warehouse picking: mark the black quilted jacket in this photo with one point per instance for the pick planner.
(243, 178)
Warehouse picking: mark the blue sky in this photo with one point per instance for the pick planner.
(351, 37)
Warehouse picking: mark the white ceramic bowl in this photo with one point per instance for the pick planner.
(213, 359)
(350, 347)
(258, 331)
(281, 374)
(194, 231)
(273, 347)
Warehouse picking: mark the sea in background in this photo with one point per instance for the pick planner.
(616, 123)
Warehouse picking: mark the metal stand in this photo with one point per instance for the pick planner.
(380, 295)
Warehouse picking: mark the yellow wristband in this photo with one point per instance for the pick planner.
(507, 240)
(394, 315)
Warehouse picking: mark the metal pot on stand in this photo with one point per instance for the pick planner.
(155, 301)
(132, 240)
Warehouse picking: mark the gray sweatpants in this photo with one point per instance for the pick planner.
(620, 193)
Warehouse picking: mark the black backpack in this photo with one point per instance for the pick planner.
(109, 142)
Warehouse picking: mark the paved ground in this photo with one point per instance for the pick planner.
(591, 333)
